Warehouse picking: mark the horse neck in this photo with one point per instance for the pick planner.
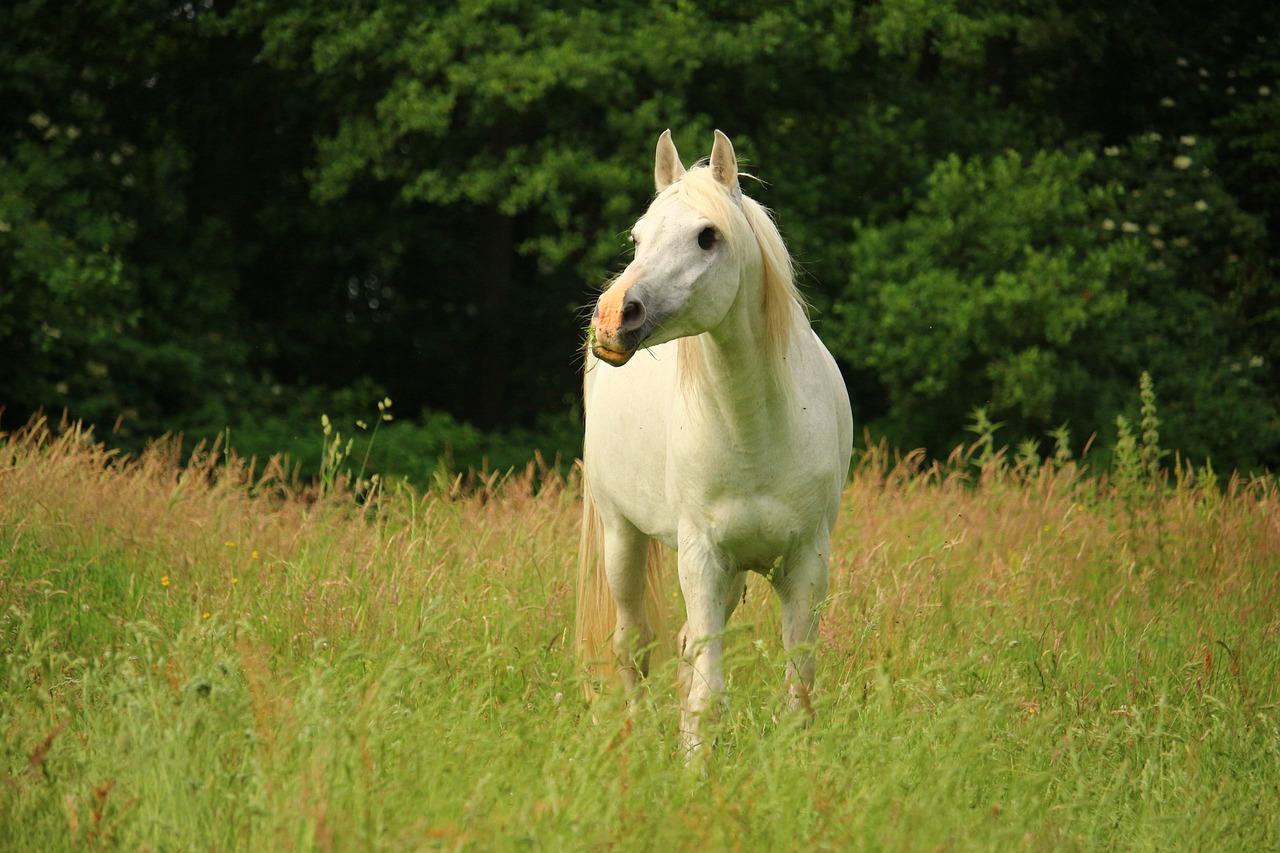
(734, 376)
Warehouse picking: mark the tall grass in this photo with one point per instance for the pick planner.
(195, 654)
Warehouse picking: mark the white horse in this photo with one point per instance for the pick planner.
(728, 439)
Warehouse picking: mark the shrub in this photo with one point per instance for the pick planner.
(1041, 288)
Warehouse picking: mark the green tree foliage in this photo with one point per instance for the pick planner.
(212, 214)
(112, 300)
(519, 132)
(987, 294)
(1039, 289)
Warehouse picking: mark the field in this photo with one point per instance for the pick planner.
(198, 656)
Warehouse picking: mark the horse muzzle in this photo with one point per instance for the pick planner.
(619, 324)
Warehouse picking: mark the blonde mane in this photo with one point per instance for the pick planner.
(743, 225)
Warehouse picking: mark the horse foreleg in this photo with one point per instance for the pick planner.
(625, 556)
(802, 589)
(708, 594)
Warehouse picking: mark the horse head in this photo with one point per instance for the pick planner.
(692, 253)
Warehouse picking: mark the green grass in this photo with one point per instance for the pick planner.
(195, 657)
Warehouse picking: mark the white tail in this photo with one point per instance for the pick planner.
(597, 616)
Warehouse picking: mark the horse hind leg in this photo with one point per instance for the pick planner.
(802, 589)
(626, 559)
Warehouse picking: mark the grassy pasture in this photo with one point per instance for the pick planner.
(196, 657)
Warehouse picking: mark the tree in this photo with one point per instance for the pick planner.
(101, 310)
(1040, 289)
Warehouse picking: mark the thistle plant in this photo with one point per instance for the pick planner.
(985, 429)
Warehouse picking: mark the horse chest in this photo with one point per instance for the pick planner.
(751, 510)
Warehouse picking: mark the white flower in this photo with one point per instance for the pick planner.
(1108, 225)
(1182, 161)
(1264, 91)
(1167, 102)
(1188, 141)
(1112, 150)
(1130, 227)
(1201, 205)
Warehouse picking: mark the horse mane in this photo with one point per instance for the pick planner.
(744, 222)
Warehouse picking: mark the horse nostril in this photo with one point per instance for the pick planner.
(632, 314)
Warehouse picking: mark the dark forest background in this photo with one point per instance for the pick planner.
(242, 215)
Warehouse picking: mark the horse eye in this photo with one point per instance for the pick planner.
(707, 238)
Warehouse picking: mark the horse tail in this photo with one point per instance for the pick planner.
(596, 615)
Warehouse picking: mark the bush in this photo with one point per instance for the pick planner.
(1041, 288)
(354, 432)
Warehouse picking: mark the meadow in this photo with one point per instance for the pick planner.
(198, 653)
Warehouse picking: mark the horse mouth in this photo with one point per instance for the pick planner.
(610, 356)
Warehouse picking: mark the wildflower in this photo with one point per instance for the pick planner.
(1188, 141)
(1182, 161)
(1264, 91)
(1167, 102)
(229, 544)
(1108, 225)
(205, 615)
(1201, 205)
(1153, 229)
(324, 422)
(255, 555)
(361, 424)
(1130, 227)
(164, 580)
(235, 580)
(1112, 150)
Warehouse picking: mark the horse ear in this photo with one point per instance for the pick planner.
(724, 164)
(667, 167)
